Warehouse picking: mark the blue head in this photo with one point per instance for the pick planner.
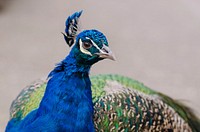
(90, 47)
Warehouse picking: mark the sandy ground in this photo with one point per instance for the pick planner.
(155, 42)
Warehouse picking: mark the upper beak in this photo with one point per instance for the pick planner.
(106, 53)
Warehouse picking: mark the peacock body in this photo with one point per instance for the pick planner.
(69, 101)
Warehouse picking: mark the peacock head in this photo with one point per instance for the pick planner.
(92, 46)
(89, 46)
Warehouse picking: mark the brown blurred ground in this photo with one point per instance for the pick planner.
(156, 42)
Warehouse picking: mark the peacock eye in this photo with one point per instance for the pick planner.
(87, 45)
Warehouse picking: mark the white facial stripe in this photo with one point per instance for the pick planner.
(95, 45)
(82, 49)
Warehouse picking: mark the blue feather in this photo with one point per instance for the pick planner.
(67, 102)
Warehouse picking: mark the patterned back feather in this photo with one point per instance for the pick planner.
(120, 104)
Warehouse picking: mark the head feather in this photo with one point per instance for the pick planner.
(72, 28)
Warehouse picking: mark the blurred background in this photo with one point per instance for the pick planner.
(155, 42)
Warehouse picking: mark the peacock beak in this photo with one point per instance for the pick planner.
(106, 53)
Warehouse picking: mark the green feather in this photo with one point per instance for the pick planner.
(113, 98)
(185, 112)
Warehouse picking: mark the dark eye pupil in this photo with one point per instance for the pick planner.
(87, 45)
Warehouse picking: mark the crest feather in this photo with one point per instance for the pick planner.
(72, 28)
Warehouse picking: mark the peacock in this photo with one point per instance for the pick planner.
(71, 101)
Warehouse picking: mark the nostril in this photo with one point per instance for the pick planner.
(104, 50)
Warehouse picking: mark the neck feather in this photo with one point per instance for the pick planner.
(68, 95)
(70, 65)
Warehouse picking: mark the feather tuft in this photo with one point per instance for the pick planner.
(72, 28)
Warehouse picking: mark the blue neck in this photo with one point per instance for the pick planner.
(70, 65)
(68, 97)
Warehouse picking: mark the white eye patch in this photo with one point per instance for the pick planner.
(82, 49)
(86, 51)
(95, 45)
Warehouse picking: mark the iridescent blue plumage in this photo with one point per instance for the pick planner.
(67, 102)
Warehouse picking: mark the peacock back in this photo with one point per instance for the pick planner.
(120, 104)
